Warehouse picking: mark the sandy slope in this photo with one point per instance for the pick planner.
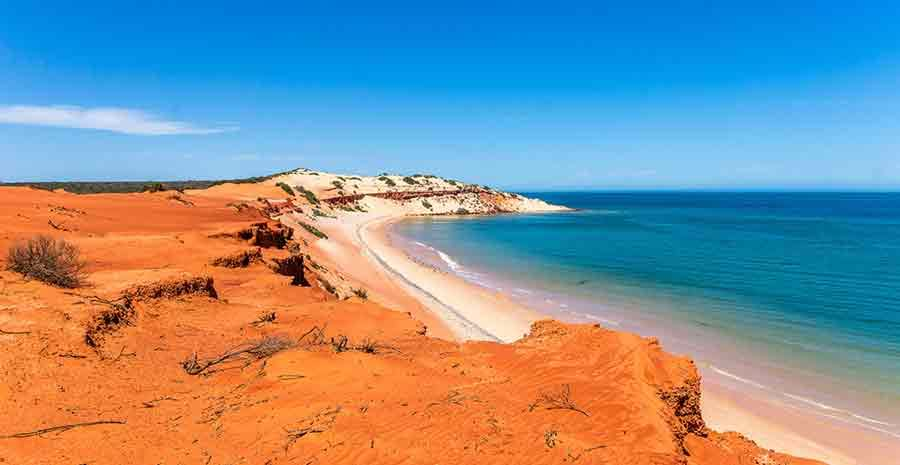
(359, 384)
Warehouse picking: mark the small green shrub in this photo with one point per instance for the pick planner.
(462, 211)
(313, 230)
(410, 180)
(337, 184)
(426, 204)
(286, 188)
(154, 187)
(310, 195)
(390, 182)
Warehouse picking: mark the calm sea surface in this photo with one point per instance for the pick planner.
(793, 294)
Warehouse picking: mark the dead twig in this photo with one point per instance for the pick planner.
(14, 332)
(59, 227)
(123, 354)
(340, 344)
(318, 423)
(61, 429)
(266, 317)
(316, 336)
(154, 402)
(561, 400)
(249, 353)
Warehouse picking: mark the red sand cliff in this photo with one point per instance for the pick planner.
(359, 383)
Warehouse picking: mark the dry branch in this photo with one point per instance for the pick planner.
(14, 332)
(61, 429)
(248, 353)
(265, 317)
(318, 423)
(561, 400)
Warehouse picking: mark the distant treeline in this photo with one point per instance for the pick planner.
(125, 187)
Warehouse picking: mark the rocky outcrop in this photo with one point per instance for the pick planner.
(172, 288)
(239, 260)
(267, 234)
(292, 266)
(683, 402)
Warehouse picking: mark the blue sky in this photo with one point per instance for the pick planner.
(513, 94)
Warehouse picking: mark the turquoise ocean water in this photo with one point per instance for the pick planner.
(794, 295)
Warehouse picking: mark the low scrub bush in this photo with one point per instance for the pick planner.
(314, 231)
(53, 261)
(410, 180)
(154, 187)
(390, 182)
(310, 195)
(286, 188)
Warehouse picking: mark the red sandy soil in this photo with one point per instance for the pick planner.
(391, 394)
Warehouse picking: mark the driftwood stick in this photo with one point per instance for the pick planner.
(14, 332)
(61, 429)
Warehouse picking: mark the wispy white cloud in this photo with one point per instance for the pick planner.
(121, 120)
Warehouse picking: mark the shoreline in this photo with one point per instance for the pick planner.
(469, 312)
(724, 408)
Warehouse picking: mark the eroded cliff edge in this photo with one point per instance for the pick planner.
(219, 336)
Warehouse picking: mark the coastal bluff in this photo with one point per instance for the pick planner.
(218, 326)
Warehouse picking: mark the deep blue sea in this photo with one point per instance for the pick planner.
(792, 293)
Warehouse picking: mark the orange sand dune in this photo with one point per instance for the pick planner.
(359, 383)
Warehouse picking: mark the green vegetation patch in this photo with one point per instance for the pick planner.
(310, 195)
(286, 188)
(130, 187)
(313, 230)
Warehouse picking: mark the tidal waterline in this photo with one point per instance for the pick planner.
(793, 293)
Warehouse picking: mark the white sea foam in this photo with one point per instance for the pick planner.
(449, 261)
(833, 412)
(836, 412)
(736, 377)
(814, 403)
(597, 318)
(871, 420)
